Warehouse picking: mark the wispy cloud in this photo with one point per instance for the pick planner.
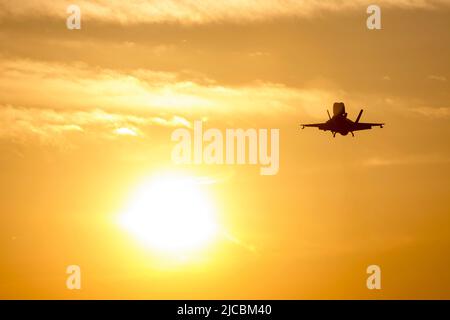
(50, 126)
(197, 12)
(79, 86)
(434, 113)
(127, 131)
(437, 78)
(416, 159)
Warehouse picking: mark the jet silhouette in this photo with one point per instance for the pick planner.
(339, 123)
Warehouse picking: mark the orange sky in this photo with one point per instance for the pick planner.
(87, 115)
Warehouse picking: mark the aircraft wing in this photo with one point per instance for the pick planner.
(365, 126)
(321, 126)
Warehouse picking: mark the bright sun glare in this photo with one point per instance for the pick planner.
(171, 215)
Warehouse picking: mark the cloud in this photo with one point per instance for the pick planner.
(434, 113)
(79, 86)
(417, 159)
(127, 131)
(175, 121)
(197, 12)
(50, 126)
(437, 78)
(63, 100)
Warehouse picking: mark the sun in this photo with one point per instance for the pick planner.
(171, 214)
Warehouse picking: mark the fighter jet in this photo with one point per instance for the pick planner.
(339, 123)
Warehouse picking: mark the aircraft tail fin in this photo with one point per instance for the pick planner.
(338, 108)
(359, 116)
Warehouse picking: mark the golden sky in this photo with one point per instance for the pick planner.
(86, 117)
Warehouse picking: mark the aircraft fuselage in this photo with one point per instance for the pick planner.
(340, 124)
